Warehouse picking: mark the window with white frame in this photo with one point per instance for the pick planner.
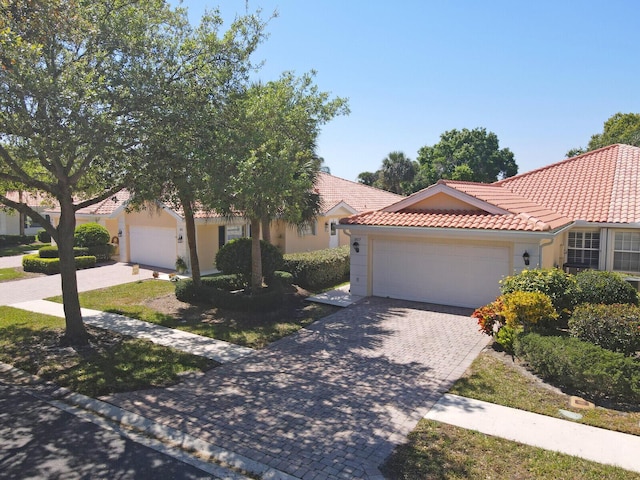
(626, 252)
(584, 249)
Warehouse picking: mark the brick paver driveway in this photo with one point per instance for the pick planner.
(331, 401)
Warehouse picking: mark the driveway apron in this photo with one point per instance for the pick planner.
(331, 401)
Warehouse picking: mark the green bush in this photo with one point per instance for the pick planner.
(582, 367)
(235, 258)
(614, 327)
(596, 286)
(319, 269)
(43, 236)
(34, 263)
(210, 294)
(51, 251)
(12, 240)
(285, 279)
(558, 285)
(90, 235)
(102, 253)
(527, 309)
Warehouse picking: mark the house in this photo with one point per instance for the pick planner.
(156, 235)
(11, 220)
(452, 242)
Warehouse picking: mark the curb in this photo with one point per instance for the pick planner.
(81, 405)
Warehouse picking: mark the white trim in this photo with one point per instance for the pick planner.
(335, 208)
(452, 192)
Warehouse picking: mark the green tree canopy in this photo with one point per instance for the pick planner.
(396, 173)
(73, 76)
(619, 128)
(272, 165)
(460, 153)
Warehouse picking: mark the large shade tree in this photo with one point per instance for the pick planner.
(196, 72)
(271, 166)
(72, 80)
(466, 155)
(619, 128)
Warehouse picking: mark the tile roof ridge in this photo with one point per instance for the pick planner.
(561, 162)
(539, 225)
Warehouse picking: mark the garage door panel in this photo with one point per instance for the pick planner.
(444, 273)
(153, 246)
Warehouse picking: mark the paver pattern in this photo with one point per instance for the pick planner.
(331, 401)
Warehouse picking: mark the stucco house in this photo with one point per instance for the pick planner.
(452, 242)
(156, 236)
(11, 220)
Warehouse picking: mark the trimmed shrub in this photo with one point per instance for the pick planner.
(51, 251)
(102, 253)
(596, 286)
(506, 336)
(490, 317)
(558, 285)
(579, 366)
(269, 299)
(235, 258)
(90, 235)
(12, 240)
(614, 327)
(284, 279)
(319, 269)
(43, 236)
(527, 309)
(50, 266)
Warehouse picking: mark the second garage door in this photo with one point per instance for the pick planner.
(448, 274)
(153, 246)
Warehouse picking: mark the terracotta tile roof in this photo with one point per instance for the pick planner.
(37, 200)
(449, 219)
(361, 198)
(598, 186)
(107, 206)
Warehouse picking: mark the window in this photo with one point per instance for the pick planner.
(234, 231)
(626, 252)
(584, 249)
(308, 228)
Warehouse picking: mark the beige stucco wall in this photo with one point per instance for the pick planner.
(207, 243)
(443, 201)
(151, 217)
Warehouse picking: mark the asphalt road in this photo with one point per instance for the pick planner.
(40, 441)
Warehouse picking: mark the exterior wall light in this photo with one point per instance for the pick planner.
(526, 257)
(356, 247)
(326, 226)
(180, 238)
(120, 232)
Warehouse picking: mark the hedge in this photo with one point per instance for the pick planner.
(599, 286)
(50, 266)
(614, 327)
(211, 293)
(592, 371)
(43, 236)
(51, 251)
(235, 258)
(90, 235)
(11, 240)
(319, 269)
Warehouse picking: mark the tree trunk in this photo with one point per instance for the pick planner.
(256, 257)
(21, 216)
(266, 230)
(190, 223)
(75, 332)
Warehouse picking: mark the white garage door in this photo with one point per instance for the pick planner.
(153, 246)
(444, 273)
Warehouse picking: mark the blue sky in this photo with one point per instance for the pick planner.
(544, 75)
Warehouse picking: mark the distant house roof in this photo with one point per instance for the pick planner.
(598, 186)
(32, 200)
(334, 190)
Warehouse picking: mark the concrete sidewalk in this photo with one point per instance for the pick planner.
(217, 350)
(591, 443)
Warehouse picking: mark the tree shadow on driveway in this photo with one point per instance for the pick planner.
(336, 397)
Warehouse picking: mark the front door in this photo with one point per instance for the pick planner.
(333, 234)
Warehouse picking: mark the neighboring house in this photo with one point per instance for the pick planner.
(10, 219)
(156, 235)
(451, 243)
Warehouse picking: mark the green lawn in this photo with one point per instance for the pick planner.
(113, 363)
(439, 451)
(255, 330)
(7, 274)
(20, 249)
